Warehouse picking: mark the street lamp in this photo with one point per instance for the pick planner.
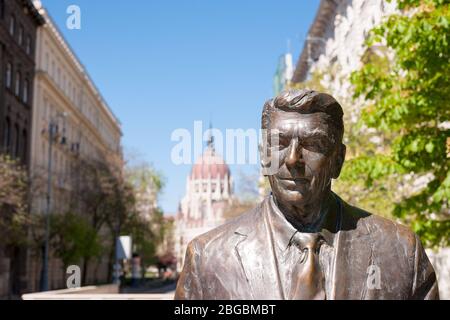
(52, 131)
(116, 266)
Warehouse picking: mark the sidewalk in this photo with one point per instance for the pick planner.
(166, 289)
(152, 290)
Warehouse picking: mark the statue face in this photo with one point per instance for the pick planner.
(309, 153)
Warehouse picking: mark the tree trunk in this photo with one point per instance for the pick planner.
(15, 266)
(85, 269)
(64, 275)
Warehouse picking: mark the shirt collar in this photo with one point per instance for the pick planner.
(283, 230)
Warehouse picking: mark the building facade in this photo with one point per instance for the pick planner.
(19, 21)
(335, 41)
(334, 48)
(85, 129)
(208, 194)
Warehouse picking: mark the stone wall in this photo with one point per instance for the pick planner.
(441, 263)
(97, 273)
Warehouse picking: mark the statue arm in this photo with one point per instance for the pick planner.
(425, 285)
(189, 285)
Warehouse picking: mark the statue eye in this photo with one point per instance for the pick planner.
(279, 146)
(285, 141)
(318, 146)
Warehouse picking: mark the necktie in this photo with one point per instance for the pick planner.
(307, 278)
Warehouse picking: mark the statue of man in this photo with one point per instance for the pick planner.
(303, 241)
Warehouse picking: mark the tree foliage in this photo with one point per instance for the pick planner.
(145, 221)
(405, 78)
(74, 238)
(14, 217)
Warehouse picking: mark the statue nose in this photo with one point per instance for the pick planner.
(294, 155)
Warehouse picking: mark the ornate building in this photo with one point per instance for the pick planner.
(19, 21)
(208, 194)
(85, 130)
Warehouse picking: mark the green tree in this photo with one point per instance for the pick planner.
(407, 86)
(74, 239)
(101, 201)
(145, 220)
(14, 218)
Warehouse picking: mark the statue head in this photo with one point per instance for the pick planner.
(309, 129)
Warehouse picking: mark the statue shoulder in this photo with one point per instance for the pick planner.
(380, 228)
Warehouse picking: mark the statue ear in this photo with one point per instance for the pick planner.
(264, 160)
(340, 158)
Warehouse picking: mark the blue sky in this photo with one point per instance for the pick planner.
(161, 65)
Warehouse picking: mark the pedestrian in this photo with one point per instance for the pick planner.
(136, 270)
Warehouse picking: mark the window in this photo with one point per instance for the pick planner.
(12, 25)
(2, 9)
(25, 91)
(20, 35)
(17, 87)
(28, 45)
(8, 79)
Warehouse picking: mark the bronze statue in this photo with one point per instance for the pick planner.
(303, 241)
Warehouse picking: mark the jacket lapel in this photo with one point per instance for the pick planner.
(254, 251)
(354, 255)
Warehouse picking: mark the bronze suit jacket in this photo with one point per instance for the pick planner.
(236, 260)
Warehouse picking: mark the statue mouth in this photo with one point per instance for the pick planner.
(294, 184)
(295, 180)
